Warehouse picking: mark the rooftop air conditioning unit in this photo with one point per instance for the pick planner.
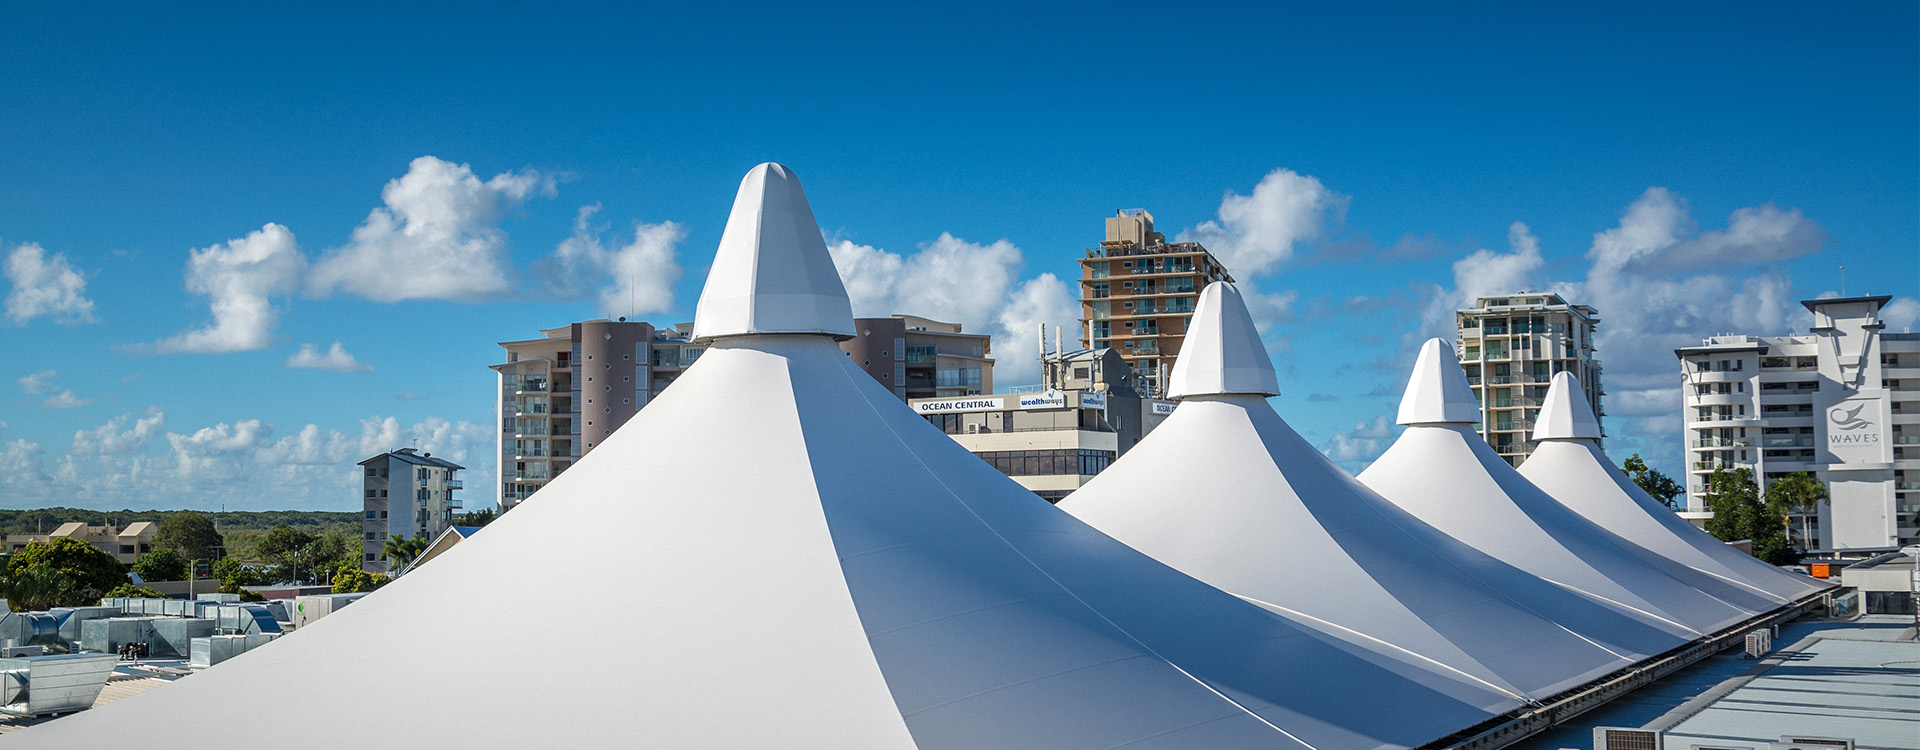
(1626, 738)
(1813, 743)
(1759, 643)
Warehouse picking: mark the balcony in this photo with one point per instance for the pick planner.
(535, 474)
(455, 504)
(1792, 442)
(531, 385)
(1725, 443)
(456, 484)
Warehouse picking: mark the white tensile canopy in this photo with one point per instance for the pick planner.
(1440, 470)
(1569, 465)
(776, 552)
(1225, 491)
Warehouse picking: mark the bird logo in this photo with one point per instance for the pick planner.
(1848, 419)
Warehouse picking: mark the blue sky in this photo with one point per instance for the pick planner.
(1689, 169)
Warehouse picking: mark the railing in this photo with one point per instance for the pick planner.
(1473, 380)
(1506, 379)
(1147, 349)
(456, 484)
(1786, 442)
(532, 384)
(528, 474)
(1906, 485)
(1906, 440)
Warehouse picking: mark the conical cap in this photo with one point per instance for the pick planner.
(1222, 352)
(1566, 415)
(773, 273)
(1438, 393)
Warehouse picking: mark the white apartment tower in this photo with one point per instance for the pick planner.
(1842, 402)
(1511, 347)
(408, 493)
(563, 393)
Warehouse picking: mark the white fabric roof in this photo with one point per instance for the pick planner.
(801, 562)
(1447, 475)
(1431, 397)
(1226, 353)
(1569, 466)
(1225, 491)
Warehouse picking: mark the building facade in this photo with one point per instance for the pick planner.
(1511, 347)
(408, 493)
(564, 393)
(921, 358)
(1137, 293)
(1057, 436)
(1842, 402)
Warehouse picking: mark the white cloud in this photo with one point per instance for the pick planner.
(1901, 315)
(239, 278)
(334, 359)
(1354, 449)
(45, 286)
(1484, 273)
(436, 237)
(41, 384)
(64, 400)
(634, 279)
(114, 437)
(953, 280)
(20, 465)
(1257, 233)
(1657, 234)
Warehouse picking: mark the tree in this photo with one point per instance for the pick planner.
(130, 590)
(1739, 514)
(1798, 492)
(401, 550)
(283, 544)
(480, 517)
(1651, 481)
(233, 574)
(350, 579)
(330, 550)
(160, 565)
(191, 534)
(62, 573)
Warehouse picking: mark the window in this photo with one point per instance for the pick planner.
(383, 514)
(370, 514)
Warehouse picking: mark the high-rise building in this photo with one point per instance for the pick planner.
(1511, 347)
(1137, 292)
(564, 393)
(408, 493)
(1842, 402)
(921, 358)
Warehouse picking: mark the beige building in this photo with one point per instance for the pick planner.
(1137, 293)
(1055, 437)
(922, 358)
(564, 393)
(408, 493)
(1511, 347)
(126, 545)
(1841, 401)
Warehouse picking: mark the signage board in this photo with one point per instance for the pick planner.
(1163, 408)
(1853, 429)
(1093, 400)
(958, 405)
(1048, 400)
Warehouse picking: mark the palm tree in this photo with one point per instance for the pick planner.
(1800, 493)
(402, 550)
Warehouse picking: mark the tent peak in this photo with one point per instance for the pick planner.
(1566, 414)
(1222, 352)
(773, 273)
(1437, 393)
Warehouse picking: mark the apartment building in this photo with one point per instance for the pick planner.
(921, 358)
(1842, 402)
(1137, 293)
(1054, 437)
(564, 393)
(1511, 347)
(408, 493)
(126, 545)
